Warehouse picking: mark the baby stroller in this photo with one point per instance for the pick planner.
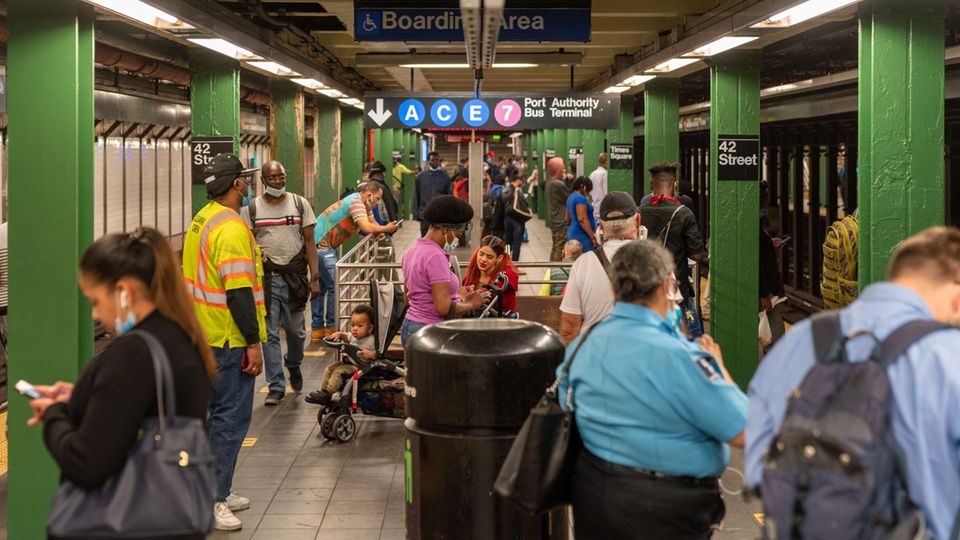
(494, 309)
(377, 386)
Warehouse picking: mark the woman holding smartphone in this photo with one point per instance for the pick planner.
(132, 281)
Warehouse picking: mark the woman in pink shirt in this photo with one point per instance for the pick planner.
(431, 287)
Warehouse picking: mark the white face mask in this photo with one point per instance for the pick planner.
(275, 192)
(450, 246)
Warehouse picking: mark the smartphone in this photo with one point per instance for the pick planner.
(784, 239)
(27, 389)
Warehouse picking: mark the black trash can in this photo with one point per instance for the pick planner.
(470, 385)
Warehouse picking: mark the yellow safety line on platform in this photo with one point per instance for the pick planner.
(315, 353)
(3, 443)
(249, 442)
(266, 389)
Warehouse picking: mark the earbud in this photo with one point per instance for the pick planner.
(123, 299)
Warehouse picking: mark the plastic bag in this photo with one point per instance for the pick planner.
(766, 335)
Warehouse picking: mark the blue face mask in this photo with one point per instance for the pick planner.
(450, 246)
(246, 198)
(122, 326)
(673, 318)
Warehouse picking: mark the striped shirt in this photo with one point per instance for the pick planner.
(278, 227)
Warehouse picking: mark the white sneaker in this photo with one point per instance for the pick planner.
(223, 518)
(237, 503)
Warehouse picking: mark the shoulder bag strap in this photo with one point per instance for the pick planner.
(552, 390)
(604, 261)
(166, 400)
(892, 348)
(666, 230)
(252, 213)
(827, 336)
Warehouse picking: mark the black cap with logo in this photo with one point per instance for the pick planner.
(617, 205)
(220, 173)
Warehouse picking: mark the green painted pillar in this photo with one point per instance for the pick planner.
(592, 148)
(560, 141)
(901, 110)
(50, 70)
(661, 122)
(735, 215)
(386, 142)
(409, 179)
(549, 145)
(286, 133)
(622, 179)
(353, 144)
(327, 187)
(214, 103)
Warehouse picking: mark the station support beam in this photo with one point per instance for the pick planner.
(214, 104)
(384, 143)
(327, 188)
(592, 148)
(50, 69)
(547, 146)
(286, 133)
(574, 140)
(351, 122)
(413, 142)
(622, 179)
(661, 123)
(560, 141)
(735, 215)
(901, 126)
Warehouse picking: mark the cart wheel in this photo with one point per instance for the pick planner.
(326, 426)
(345, 428)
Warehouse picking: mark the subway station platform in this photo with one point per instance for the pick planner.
(302, 486)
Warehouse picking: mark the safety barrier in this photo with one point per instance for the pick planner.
(375, 257)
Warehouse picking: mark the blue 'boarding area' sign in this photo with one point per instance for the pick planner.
(447, 25)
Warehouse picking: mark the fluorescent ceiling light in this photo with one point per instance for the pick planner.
(720, 45)
(223, 46)
(514, 65)
(359, 105)
(435, 66)
(803, 12)
(672, 64)
(312, 84)
(275, 68)
(139, 11)
(637, 80)
(350, 101)
(616, 89)
(330, 92)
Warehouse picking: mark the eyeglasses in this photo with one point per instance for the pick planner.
(280, 176)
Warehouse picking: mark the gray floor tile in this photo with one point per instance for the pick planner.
(348, 534)
(393, 521)
(310, 471)
(242, 534)
(303, 494)
(284, 534)
(359, 494)
(352, 521)
(291, 521)
(303, 482)
(239, 484)
(257, 494)
(297, 507)
(393, 534)
(354, 507)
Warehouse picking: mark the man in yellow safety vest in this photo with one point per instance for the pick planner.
(223, 273)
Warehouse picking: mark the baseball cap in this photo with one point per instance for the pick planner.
(617, 205)
(225, 165)
(377, 167)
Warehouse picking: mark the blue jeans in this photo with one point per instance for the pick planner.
(408, 328)
(292, 322)
(513, 232)
(327, 265)
(231, 407)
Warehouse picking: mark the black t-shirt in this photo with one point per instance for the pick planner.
(90, 436)
(683, 240)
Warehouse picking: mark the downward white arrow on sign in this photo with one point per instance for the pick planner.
(379, 115)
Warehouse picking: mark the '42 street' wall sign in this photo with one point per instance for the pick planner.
(202, 152)
(738, 157)
(492, 111)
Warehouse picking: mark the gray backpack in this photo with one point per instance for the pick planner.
(834, 470)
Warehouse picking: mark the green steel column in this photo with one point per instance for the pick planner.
(327, 188)
(661, 122)
(592, 148)
(286, 135)
(901, 109)
(735, 215)
(560, 141)
(214, 103)
(50, 70)
(622, 179)
(549, 144)
(409, 179)
(385, 145)
(353, 135)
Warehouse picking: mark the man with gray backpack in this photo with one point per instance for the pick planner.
(854, 417)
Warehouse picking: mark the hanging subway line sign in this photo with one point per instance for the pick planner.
(738, 157)
(516, 24)
(492, 111)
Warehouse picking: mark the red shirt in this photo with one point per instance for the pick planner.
(460, 190)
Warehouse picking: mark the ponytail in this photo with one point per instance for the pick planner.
(146, 255)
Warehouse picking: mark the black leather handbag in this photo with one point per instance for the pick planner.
(537, 471)
(165, 488)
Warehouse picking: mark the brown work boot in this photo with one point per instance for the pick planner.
(317, 334)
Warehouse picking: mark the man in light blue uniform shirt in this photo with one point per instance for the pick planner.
(923, 282)
(654, 413)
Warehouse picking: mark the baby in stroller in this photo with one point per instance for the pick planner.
(365, 377)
